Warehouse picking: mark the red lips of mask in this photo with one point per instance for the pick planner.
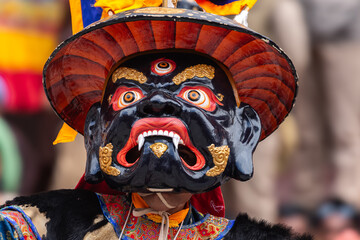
(167, 127)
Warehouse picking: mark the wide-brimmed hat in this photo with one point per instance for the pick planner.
(75, 74)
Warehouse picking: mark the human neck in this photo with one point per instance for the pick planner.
(177, 208)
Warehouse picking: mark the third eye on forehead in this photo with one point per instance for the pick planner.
(162, 66)
(171, 71)
(198, 72)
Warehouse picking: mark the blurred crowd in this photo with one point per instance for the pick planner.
(307, 174)
(333, 219)
(29, 32)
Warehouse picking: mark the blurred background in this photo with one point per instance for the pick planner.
(307, 173)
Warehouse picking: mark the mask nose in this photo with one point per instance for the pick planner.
(159, 104)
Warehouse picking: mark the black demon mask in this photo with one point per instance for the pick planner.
(170, 122)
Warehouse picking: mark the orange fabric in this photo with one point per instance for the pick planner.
(174, 219)
(76, 16)
(232, 8)
(66, 134)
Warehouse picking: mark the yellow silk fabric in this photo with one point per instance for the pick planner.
(124, 5)
(174, 219)
(76, 16)
(66, 134)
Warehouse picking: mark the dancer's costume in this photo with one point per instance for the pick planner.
(168, 100)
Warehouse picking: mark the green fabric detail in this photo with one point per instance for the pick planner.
(10, 159)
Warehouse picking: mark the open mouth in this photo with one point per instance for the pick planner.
(166, 128)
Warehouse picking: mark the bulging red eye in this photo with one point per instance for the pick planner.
(162, 66)
(128, 97)
(124, 97)
(201, 97)
(194, 95)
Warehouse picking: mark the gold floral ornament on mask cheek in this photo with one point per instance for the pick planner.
(200, 70)
(129, 74)
(220, 158)
(105, 160)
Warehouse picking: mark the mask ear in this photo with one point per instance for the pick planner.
(245, 141)
(92, 143)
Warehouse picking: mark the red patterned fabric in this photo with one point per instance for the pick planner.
(116, 209)
(26, 230)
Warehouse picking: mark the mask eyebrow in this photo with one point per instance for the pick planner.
(129, 74)
(200, 70)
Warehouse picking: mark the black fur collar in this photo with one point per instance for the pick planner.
(250, 229)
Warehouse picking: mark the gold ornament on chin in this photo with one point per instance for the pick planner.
(105, 160)
(220, 158)
(158, 149)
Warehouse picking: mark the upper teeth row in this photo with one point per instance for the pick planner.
(175, 137)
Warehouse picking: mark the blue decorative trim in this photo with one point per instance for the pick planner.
(90, 13)
(15, 226)
(196, 223)
(107, 215)
(27, 219)
(226, 230)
